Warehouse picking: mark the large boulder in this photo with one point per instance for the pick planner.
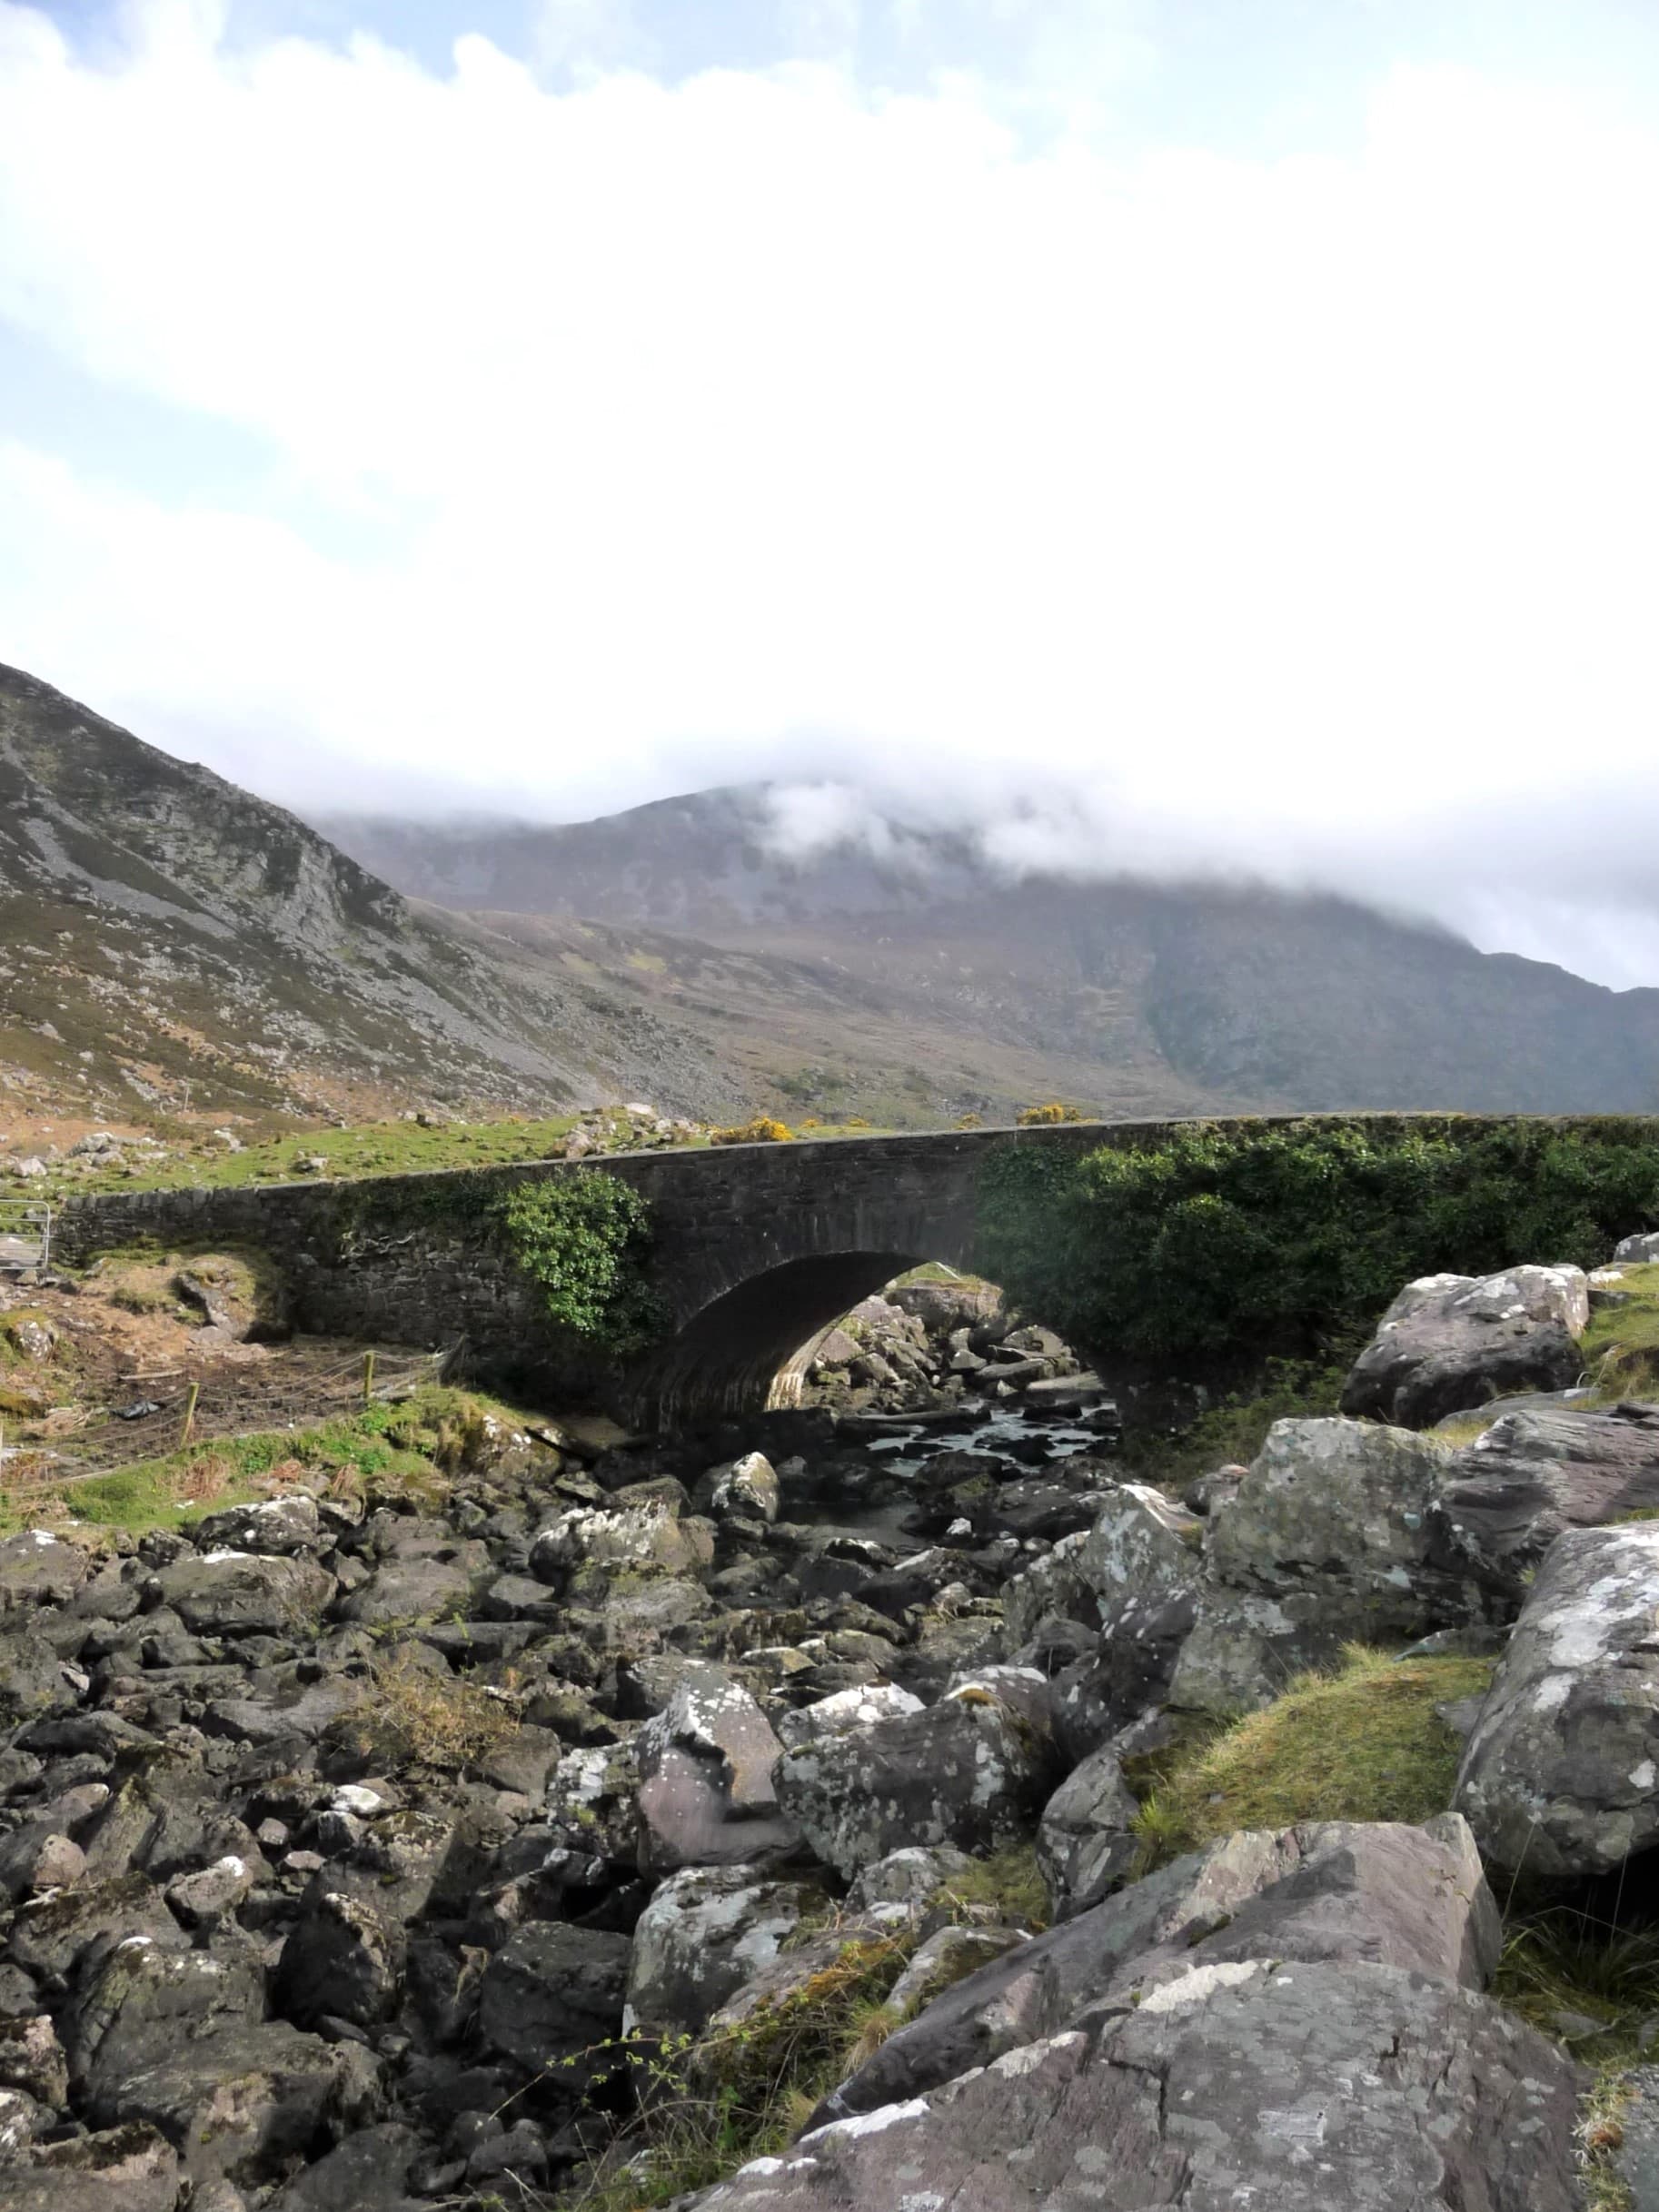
(970, 1771)
(343, 1960)
(1561, 1774)
(1451, 1341)
(1402, 1897)
(142, 2007)
(1348, 1514)
(552, 1997)
(706, 1761)
(1639, 1251)
(1336, 1534)
(581, 1548)
(1298, 2087)
(238, 1593)
(1542, 1469)
(706, 1931)
(38, 1568)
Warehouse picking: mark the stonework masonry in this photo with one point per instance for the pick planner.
(757, 1248)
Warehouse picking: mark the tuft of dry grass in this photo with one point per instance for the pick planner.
(411, 1715)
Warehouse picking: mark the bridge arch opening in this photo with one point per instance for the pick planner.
(747, 1350)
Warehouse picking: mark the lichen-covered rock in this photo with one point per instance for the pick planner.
(121, 2169)
(272, 1526)
(1639, 1251)
(746, 1486)
(142, 2008)
(843, 1710)
(1141, 1547)
(1535, 1471)
(37, 1567)
(587, 1544)
(1561, 1774)
(1243, 1649)
(242, 1594)
(969, 1771)
(1348, 1512)
(1411, 1897)
(706, 1931)
(1086, 1841)
(1298, 2087)
(1450, 1342)
(705, 1763)
(912, 1877)
(1054, 1586)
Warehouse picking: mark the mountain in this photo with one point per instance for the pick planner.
(931, 979)
(165, 937)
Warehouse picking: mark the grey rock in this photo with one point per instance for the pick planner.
(845, 1710)
(1346, 1511)
(421, 1588)
(37, 1567)
(1639, 1251)
(970, 1771)
(912, 1877)
(1242, 1651)
(240, 1594)
(746, 1486)
(1141, 1547)
(272, 1526)
(706, 1931)
(369, 2172)
(144, 2005)
(597, 1542)
(1402, 1897)
(705, 1763)
(1086, 1844)
(1561, 1774)
(553, 1993)
(1451, 1341)
(1635, 2160)
(32, 2060)
(1298, 2087)
(126, 2169)
(343, 1960)
(76, 1926)
(1533, 1472)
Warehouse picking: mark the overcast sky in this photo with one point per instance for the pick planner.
(1225, 431)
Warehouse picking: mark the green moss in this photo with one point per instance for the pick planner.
(1365, 1743)
(1006, 1884)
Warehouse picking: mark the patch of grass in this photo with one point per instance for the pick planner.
(1365, 1743)
(1006, 1884)
(401, 1453)
(411, 1714)
(1560, 1961)
(709, 2106)
(1621, 1345)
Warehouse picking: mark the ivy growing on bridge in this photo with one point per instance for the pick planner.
(1208, 1250)
(584, 1241)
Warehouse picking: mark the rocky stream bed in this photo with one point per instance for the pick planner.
(756, 1821)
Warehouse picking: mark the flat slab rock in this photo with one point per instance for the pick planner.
(1291, 2087)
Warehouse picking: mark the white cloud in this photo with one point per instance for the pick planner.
(1294, 512)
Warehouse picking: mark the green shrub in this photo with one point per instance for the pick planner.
(1227, 1244)
(583, 1240)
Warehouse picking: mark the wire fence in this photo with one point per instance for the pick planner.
(168, 1410)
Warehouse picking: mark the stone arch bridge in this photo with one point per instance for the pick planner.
(757, 1249)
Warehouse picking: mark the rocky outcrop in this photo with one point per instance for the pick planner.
(1539, 1471)
(1560, 1776)
(1452, 1341)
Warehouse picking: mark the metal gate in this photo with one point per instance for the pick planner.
(25, 1234)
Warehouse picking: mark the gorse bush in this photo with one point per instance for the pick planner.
(583, 1240)
(1223, 1246)
(762, 1130)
